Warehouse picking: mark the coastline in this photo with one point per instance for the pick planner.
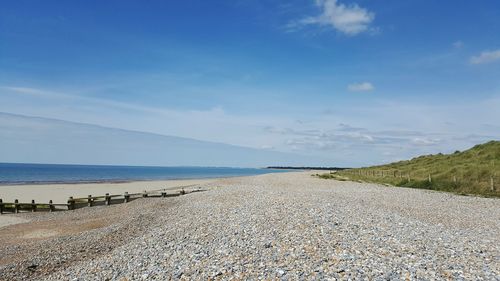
(22, 174)
(40, 183)
(59, 192)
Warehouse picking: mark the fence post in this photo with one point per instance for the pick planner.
(1, 206)
(33, 206)
(430, 179)
(454, 179)
(107, 199)
(126, 197)
(409, 177)
(492, 183)
(51, 206)
(16, 206)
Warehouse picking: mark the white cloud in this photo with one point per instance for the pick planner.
(361, 87)
(486, 57)
(425, 141)
(348, 19)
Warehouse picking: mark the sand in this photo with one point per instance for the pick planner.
(10, 220)
(59, 193)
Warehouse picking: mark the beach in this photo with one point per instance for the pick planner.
(288, 226)
(59, 193)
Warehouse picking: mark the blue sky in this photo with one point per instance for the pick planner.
(358, 82)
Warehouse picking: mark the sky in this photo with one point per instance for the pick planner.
(51, 141)
(357, 82)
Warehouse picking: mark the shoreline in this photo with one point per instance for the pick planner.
(21, 174)
(60, 192)
(38, 183)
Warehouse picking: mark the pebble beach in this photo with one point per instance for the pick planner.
(286, 226)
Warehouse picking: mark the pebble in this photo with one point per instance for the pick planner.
(289, 226)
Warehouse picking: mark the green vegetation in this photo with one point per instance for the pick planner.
(334, 176)
(474, 171)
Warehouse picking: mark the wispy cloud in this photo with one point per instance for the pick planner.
(348, 19)
(83, 109)
(348, 135)
(425, 141)
(69, 142)
(458, 44)
(353, 133)
(361, 87)
(78, 98)
(486, 57)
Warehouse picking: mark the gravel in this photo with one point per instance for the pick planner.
(287, 226)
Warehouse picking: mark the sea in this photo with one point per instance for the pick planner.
(19, 174)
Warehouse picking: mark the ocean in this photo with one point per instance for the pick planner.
(57, 173)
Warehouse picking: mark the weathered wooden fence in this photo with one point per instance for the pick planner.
(492, 179)
(89, 201)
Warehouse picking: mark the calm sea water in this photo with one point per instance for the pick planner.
(50, 173)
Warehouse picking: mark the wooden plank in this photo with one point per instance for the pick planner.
(75, 203)
(51, 206)
(71, 203)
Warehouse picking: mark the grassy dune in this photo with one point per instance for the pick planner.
(469, 172)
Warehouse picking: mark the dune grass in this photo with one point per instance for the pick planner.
(469, 172)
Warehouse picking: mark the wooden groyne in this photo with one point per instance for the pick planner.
(89, 201)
